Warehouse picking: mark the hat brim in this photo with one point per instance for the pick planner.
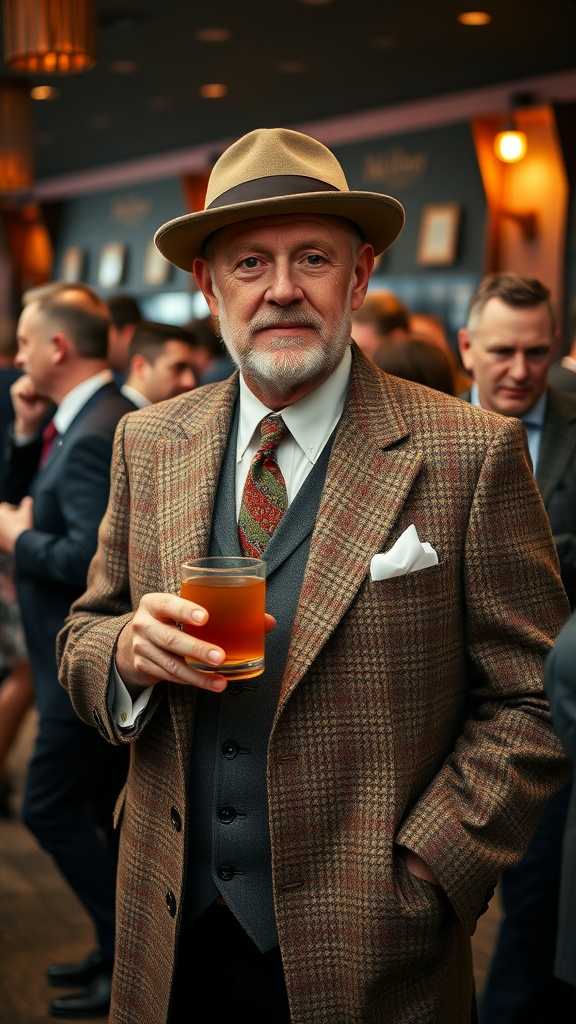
(380, 219)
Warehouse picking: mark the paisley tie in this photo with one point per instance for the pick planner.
(264, 500)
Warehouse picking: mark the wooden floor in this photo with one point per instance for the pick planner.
(41, 921)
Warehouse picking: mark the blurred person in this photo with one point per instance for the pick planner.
(560, 685)
(418, 359)
(16, 686)
(54, 499)
(507, 346)
(218, 363)
(161, 360)
(317, 843)
(430, 326)
(382, 316)
(125, 314)
(16, 681)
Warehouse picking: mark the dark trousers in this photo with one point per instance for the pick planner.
(521, 987)
(72, 783)
(219, 966)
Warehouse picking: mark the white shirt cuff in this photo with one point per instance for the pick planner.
(125, 711)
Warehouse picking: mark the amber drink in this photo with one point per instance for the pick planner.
(233, 592)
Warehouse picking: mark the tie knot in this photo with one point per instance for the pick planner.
(272, 430)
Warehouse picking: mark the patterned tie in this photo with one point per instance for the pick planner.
(49, 435)
(265, 498)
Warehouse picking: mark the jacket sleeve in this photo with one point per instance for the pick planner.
(97, 618)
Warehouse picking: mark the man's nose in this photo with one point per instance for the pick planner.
(519, 366)
(188, 379)
(282, 286)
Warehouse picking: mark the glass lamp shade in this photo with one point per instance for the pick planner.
(16, 139)
(510, 146)
(49, 36)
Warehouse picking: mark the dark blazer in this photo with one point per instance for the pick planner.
(562, 377)
(411, 710)
(70, 495)
(560, 684)
(556, 479)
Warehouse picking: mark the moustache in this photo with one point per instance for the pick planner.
(276, 318)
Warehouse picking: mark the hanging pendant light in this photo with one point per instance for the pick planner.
(16, 139)
(49, 36)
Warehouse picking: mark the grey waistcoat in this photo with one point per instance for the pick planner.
(229, 836)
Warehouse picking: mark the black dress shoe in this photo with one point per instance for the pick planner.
(79, 973)
(93, 1002)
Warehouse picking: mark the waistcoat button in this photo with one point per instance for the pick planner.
(229, 749)
(175, 819)
(226, 814)
(171, 903)
(226, 872)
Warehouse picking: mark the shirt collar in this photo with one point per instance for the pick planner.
(310, 420)
(76, 398)
(135, 396)
(535, 416)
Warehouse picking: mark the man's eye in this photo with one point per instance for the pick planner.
(250, 262)
(315, 259)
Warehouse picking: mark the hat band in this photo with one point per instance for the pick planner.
(272, 187)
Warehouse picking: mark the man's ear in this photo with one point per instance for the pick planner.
(137, 364)
(464, 345)
(60, 347)
(203, 277)
(362, 271)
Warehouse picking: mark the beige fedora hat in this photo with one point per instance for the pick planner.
(272, 171)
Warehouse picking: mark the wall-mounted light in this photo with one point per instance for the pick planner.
(510, 145)
(49, 36)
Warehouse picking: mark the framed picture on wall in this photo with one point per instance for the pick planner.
(438, 239)
(156, 268)
(112, 263)
(73, 260)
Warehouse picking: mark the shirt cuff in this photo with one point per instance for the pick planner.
(125, 711)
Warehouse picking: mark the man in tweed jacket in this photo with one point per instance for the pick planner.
(316, 846)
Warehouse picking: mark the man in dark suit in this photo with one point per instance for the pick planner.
(507, 346)
(316, 843)
(562, 373)
(53, 504)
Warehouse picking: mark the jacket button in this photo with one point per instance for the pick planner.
(226, 815)
(175, 819)
(171, 903)
(226, 872)
(229, 750)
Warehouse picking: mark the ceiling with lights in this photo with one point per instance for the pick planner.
(175, 74)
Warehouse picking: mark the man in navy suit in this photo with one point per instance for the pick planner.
(49, 519)
(507, 346)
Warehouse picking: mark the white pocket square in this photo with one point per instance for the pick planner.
(406, 555)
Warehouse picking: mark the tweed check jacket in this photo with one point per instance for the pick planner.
(411, 710)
